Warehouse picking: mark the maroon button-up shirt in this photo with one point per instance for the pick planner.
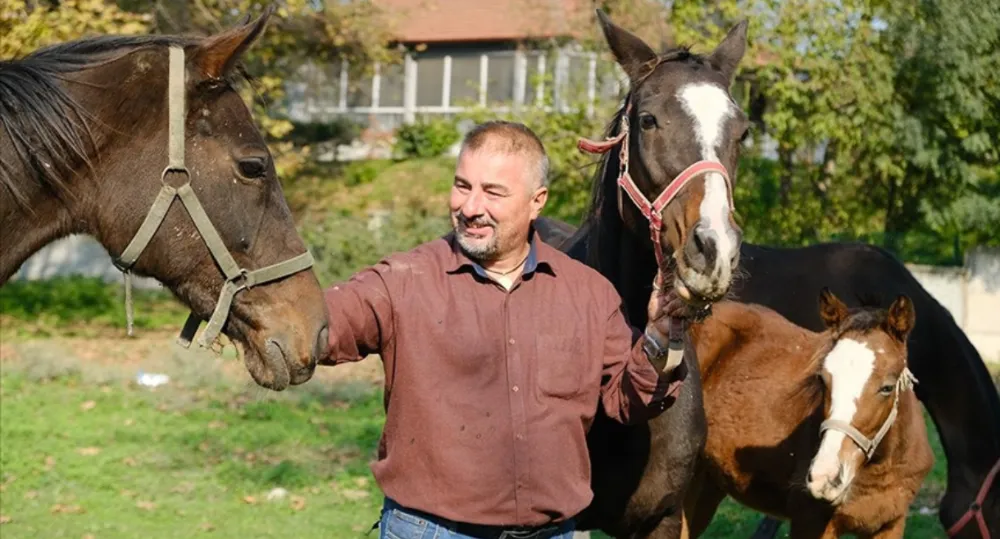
(489, 393)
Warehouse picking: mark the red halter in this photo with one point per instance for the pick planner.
(976, 509)
(652, 211)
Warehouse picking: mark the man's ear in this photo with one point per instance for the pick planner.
(538, 200)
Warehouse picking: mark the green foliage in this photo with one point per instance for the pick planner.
(344, 244)
(68, 305)
(427, 137)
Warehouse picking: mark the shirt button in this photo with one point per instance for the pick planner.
(519, 437)
(511, 341)
(514, 389)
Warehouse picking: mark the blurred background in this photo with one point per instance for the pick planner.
(874, 121)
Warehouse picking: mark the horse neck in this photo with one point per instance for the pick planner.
(623, 256)
(44, 213)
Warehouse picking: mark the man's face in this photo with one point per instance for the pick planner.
(494, 198)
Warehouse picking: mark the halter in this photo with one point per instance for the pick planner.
(869, 445)
(976, 508)
(652, 211)
(237, 278)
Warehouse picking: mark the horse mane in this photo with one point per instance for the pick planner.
(50, 132)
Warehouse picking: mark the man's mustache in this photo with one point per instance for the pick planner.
(465, 222)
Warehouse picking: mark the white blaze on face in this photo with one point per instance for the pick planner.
(850, 364)
(709, 106)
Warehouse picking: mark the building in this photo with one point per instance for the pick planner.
(459, 54)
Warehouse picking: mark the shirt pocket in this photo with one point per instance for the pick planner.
(560, 365)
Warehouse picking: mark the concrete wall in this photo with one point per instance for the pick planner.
(972, 296)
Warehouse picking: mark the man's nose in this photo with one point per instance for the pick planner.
(473, 205)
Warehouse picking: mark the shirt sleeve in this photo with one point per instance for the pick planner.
(632, 389)
(360, 315)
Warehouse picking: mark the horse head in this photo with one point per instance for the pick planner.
(864, 374)
(144, 143)
(678, 136)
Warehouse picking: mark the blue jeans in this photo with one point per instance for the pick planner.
(398, 522)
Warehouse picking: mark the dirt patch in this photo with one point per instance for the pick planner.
(109, 357)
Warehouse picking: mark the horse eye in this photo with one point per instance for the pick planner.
(886, 389)
(647, 121)
(746, 133)
(252, 167)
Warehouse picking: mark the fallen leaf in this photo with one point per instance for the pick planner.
(217, 424)
(203, 447)
(31, 495)
(206, 526)
(50, 462)
(249, 499)
(183, 488)
(298, 503)
(314, 490)
(127, 493)
(89, 405)
(354, 494)
(360, 481)
(148, 506)
(129, 461)
(88, 451)
(88, 536)
(68, 509)
(129, 422)
(4, 519)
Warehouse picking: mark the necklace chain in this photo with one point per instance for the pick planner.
(512, 270)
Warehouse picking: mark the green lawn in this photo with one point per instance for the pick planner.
(85, 452)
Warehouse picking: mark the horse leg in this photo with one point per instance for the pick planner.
(813, 526)
(700, 505)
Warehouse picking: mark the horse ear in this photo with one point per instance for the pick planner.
(727, 56)
(631, 52)
(902, 317)
(218, 54)
(831, 309)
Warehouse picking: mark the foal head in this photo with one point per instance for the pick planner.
(679, 113)
(864, 373)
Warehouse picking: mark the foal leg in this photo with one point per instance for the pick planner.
(892, 530)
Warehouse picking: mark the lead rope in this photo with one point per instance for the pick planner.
(128, 303)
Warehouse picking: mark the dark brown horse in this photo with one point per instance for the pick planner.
(818, 428)
(678, 119)
(956, 388)
(88, 129)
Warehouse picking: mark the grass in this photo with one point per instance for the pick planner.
(85, 452)
(117, 460)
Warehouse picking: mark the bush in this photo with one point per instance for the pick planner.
(426, 138)
(344, 244)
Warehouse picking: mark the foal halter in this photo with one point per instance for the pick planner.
(652, 211)
(869, 445)
(237, 278)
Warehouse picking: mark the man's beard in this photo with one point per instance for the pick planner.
(479, 250)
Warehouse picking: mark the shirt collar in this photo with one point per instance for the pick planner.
(539, 257)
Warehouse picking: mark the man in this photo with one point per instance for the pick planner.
(496, 348)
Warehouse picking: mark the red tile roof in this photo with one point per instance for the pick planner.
(436, 21)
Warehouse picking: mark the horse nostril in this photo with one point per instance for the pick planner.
(322, 344)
